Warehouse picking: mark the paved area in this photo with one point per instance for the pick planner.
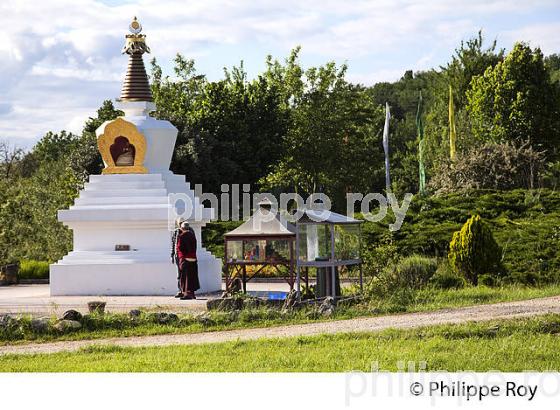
(506, 310)
(36, 300)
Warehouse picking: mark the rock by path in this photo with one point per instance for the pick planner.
(506, 310)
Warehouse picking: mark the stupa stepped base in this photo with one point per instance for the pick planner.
(131, 210)
(108, 278)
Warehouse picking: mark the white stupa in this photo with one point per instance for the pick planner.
(120, 221)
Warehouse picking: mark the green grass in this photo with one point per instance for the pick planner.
(512, 346)
(30, 269)
(120, 325)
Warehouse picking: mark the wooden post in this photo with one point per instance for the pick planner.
(226, 273)
(291, 265)
(244, 278)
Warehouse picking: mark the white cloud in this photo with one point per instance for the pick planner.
(61, 58)
(546, 36)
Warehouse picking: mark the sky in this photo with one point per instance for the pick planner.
(59, 59)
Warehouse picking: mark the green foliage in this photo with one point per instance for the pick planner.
(395, 284)
(230, 131)
(333, 141)
(29, 228)
(213, 235)
(525, 225)
(415, 271)
(516, 101)
(445, 278)
(487, 280)
(473, 250)
(54, 147)
(31, 269)
(470, 60)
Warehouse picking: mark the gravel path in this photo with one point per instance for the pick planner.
(506, 310)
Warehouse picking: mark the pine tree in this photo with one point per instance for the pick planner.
(473, 250)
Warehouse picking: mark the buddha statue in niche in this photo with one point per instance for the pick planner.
(123, 152)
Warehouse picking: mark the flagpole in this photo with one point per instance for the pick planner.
(420, 130)
(452, 130)
(386, 147)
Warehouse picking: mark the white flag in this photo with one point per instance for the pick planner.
(386, 147)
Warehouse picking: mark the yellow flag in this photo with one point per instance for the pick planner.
(452, 130)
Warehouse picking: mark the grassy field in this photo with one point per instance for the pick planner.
(513, 345)
(120, 325)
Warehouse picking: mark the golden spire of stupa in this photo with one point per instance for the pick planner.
(136, 86)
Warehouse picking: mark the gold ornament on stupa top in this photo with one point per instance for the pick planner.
(135, 42)
(136, 86)
(135, 27)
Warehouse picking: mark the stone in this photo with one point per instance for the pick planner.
(163, 318)
(272, 303)
(9, 274)
(67, 325)
(135, 313)
(291, 300)
(172, 317)
(204, 319)
(226, 304)
(72, 315)
(327, 307)
(40, 325)
(97, 306)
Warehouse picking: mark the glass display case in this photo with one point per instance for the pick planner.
(258, 250)
(328, 243)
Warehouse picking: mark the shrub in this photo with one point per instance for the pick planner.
(487, 280)
(411, 272)
(30, 269)
(473, 250)
(445, 278)
(512, 166)
(415, 271)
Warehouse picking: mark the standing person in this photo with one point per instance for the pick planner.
(188, 266)
(175, 255)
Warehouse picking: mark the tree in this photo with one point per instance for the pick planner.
(515, 101)
(473, 251)
(28, 214)
(230, 131)
(9, 159)
(470, 60)
(333, 143)
(552, 65)
(54, 147)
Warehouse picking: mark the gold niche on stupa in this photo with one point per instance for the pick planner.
(123, 148)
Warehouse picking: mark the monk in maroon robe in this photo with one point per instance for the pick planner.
(188, 266)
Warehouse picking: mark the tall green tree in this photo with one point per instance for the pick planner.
(333, 144)
(230, 131)
(516, 101)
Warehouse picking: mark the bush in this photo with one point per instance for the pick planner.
(30, 269)
(473, 250)
(512, 166)
(445, 278)
(487, 280)
(411, 272)
(415, 271)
